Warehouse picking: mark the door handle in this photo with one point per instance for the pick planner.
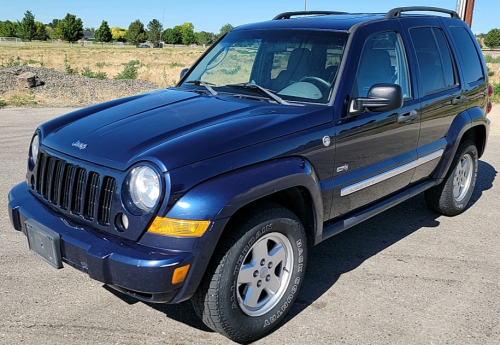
(407, 117)
(458, 100)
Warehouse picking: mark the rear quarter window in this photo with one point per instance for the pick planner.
(471, 62)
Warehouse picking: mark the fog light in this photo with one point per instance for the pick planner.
(125, 222)
(121, 221)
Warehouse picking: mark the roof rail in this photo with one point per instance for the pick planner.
(288, 15)
(396, 12)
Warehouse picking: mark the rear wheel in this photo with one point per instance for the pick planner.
(453, 194)
(255, 274)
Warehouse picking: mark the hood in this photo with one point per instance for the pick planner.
(174, 128)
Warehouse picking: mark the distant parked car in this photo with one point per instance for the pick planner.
(143, 46)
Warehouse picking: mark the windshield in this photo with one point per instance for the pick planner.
(296, 65)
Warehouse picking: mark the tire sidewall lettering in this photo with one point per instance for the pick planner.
(286, 301)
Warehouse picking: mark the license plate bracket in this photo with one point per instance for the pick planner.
(44, 242)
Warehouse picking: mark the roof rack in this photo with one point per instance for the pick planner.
(396, 12)
(288, 15)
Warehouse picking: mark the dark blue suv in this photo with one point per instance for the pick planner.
(283, 134)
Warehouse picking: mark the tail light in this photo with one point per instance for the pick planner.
(489, 106)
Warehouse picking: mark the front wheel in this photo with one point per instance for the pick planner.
(255, 274)
(453, 194)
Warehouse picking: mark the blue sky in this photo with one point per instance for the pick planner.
(212, 15)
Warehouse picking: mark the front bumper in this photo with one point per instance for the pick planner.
(139, 270)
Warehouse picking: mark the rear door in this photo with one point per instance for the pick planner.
(439, 89)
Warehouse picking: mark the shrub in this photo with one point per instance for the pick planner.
(496, 93)
(87, 72)
(67, 66)
(491, 59)
(129, 70)
(3, 103)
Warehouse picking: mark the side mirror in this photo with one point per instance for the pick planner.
(183, 72)
(381, 97)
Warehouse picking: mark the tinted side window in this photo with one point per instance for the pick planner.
(468, 55)
(383, 60)
(434, 60)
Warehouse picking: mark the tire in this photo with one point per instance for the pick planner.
(453, 194)
(254, 275)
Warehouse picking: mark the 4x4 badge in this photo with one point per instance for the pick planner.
(80, 145)
(344, 167)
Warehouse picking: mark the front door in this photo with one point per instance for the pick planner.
(376, 151)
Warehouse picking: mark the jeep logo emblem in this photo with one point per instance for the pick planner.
(80, 145)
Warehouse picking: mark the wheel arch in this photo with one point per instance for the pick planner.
(471, 124)
(289, 182)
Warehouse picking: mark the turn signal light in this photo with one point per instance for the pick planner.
(179, 227)
(180, 274)
(490, 90)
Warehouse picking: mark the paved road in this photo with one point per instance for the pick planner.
(407, 276)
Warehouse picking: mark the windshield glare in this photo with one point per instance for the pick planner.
(297, 65)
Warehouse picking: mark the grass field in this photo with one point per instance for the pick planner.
(161, 66)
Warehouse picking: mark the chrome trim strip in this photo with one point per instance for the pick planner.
(391, 173)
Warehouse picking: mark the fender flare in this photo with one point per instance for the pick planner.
(223, 195)
(461, 124)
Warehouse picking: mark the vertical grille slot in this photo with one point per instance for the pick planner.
(78, 191)
(107, 192)
(47, 177)
(66, 188)
(91, 197)
(40, 175)
(56, 182)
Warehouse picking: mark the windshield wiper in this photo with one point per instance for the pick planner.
(205, 84)
(253, 86)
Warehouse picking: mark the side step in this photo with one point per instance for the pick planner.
(337, 226)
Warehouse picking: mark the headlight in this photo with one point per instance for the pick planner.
(144, 187)
(35, 145)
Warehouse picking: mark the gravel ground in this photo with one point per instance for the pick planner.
(62, 90)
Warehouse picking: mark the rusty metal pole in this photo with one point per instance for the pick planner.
(469, 10)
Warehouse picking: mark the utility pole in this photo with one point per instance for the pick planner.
(465, 9)
(305, 5)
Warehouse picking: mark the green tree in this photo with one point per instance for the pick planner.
(155, 29)
(71, 28)
(56, 33)
(187, 32)
(204, 37)
(136, 33)
(118, 34)
(173, 35)
(53, 23)
(27, 28)
(225, 28)
(103, 34)
(40, 32)
(8, 29)
(492, 38)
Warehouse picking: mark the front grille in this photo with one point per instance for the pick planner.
(75, 189)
